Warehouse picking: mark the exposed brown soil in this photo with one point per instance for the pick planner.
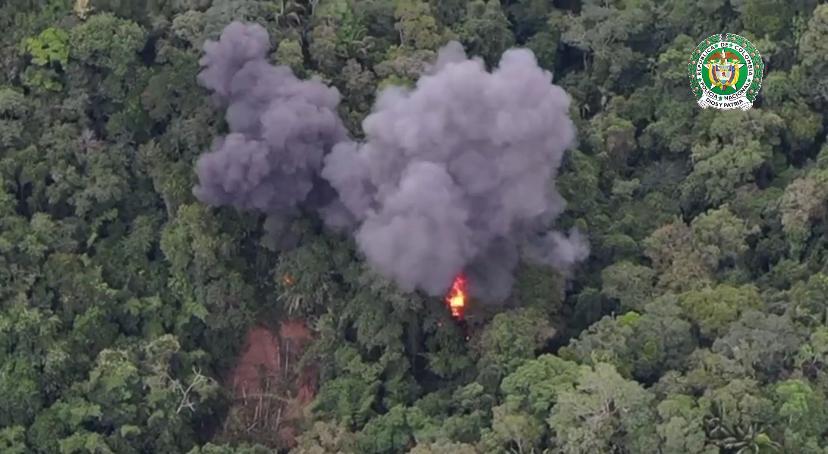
(270, 389)
(260, 357)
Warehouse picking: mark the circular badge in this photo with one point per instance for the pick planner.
(725, 72)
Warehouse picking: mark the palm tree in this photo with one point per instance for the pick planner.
(290, 13)
(295, 13)
(735, 438)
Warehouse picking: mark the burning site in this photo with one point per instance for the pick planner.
(457, 297)
(452, 185)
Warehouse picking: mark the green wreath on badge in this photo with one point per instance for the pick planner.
(725, 72)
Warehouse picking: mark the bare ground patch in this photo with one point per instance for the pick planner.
(269, 387)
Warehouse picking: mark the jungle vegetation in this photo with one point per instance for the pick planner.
(699, 323)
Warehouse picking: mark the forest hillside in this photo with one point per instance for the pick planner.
(425, 226)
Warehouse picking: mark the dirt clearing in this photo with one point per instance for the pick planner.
(270, 390)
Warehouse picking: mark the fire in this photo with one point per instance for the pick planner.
(287, 280)
(456, 299)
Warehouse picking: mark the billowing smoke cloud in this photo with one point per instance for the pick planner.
(280, 127)
(456, 174)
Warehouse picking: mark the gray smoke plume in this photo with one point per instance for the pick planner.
(456, 174)
(280, 127)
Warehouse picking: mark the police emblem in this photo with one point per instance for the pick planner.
(725, 72)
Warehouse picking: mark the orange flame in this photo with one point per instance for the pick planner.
(287, 280)
(456, 299)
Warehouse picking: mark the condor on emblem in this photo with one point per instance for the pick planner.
(725, 72)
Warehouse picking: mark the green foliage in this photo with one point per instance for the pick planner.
(640, 346)
(812, 47)
(713, 308)
(618, 412)
(49, 48)
(13, 440)
(485, 30)
(681, 426)
(802, 406)
(289, 53)
(802, 204)
(49, 53)
(387, 433)
(417, 27)
(724, 159)
(508, 341)
(348, 399)
(766, 17)
(632, 285)
(539, 287)
(512, 428)
(746, 343)
(536, 385)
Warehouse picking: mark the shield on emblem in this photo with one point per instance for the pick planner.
(723, 74)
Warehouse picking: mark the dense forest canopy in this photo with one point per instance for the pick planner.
(130, 287)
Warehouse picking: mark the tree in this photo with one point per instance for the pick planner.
(632, 285)
(204, 280)
(50, 54)
(801, 205)
(639, 346)
(485, 30)
(724, 161)
(13, 440)
(386, 433)
(602, 31)
(323, 438)
(105, 59)
(803, 410)
(540, 287)
(416, 26)
(812, 46)
(603, 413)
(758, 20)
(681, 426)
(807, 300)
(679, 266)
(351, 393)
(738, 415)
(530, 17)
(746, 342)
(289, 53)
(720, 236)
(713, 308)
(670, 124)
(13, 110)
(508, 341)
(613, 139)
(514, 429)
(536, 385)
